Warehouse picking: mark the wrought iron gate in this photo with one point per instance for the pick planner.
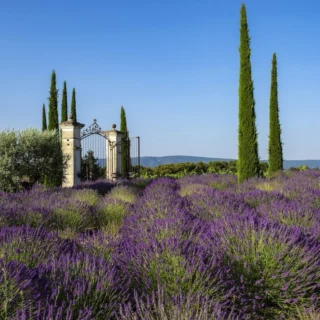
(97, 149)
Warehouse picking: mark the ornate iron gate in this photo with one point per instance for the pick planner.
(103, 158)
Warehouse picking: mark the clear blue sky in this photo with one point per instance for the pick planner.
(172, 64)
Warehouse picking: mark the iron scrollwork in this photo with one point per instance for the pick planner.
(93, 129)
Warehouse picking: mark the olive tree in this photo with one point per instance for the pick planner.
(9, 176)
(30, 155)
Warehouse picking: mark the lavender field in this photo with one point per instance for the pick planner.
(199, 247)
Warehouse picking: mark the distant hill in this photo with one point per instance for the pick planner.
(156, 161)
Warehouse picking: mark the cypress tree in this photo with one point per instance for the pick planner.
(53, 104)
(125, 146)
(123, 120)
(44, 118)
(248, 158)
(275, 145)
(64, 104)
(74, 105)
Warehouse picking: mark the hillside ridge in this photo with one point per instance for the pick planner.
(150, 161)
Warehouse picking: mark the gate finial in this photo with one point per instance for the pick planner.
(114, 126)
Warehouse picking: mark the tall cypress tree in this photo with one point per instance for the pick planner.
(53, 104)
(44, 118)
(123, 120)
(74, 105)
(248, 158)
(125, 146)
(275, 145)
(64, 103)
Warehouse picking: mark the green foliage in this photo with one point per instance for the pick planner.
(44, 118)
(140, 184)
(179, 170)
(307, 314)
(263, 169)
(123, 193)
(74, 106)
(125, 146)
(87, 196)
(100, 244)
(90, 170)
(293, 218)
(111, 215)
(248, 164)
(123, 120)
(260, 260)
(9, 175)
(73, 218)
(53, 104)
(30, 155)
(23, 250)
(11, 296)
(68, 218)
(191, 188)
(269, 185)
(171, 271)
(302, 168)
(114, 208)
(258, 253)
(64, 103)
(41, 156)
(275, 145)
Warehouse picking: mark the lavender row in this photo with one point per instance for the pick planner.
(201, 247)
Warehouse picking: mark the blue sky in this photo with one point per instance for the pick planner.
(173, 65)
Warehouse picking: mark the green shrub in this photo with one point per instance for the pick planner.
(123, 193)
(179, 170)
(111, 214)
(67, 218)
(30, 156)
(87, 196)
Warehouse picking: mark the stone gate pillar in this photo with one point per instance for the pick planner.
(113, 156)
(71, 146)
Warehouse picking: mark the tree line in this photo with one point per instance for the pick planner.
(179, 170)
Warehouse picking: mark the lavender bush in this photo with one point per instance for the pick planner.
(199, 247)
